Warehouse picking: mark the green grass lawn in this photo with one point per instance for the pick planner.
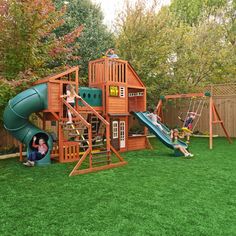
(155, 194)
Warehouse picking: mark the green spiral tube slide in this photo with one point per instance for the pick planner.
(16, 118)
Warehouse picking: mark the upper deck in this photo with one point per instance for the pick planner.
(113, 71)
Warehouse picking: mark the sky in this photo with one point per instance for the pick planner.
(111, 8)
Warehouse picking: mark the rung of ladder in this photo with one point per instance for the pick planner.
(71, 134)
(93, 132)
(101, 152)
(100, 162)
(99, 157)
(69, 129)
(82, 140)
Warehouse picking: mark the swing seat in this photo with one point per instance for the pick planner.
(185, 129)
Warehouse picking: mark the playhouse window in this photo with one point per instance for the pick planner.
(114, 91)
(115, 129)
(122, 92)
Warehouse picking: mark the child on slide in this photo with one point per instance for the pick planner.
(70, 98)
(36, 155)
(174, 135)
(154, 118)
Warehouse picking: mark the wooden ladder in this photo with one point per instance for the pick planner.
(104, 157)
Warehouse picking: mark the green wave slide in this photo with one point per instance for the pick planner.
(163, 137)
(16, 118)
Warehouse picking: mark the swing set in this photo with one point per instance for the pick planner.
(196, 105)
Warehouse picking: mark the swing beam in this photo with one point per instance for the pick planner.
(214, 117)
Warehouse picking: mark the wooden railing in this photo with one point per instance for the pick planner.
(84, 122)
(106, 69)
(105, 122)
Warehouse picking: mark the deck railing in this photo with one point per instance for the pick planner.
(107, 69)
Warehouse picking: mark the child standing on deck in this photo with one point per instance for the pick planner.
(70, 98)
(110, 53)
(174, 135)
(42, 149)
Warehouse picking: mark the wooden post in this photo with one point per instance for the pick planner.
(90, 145)
(76, 87)
(221, 122)
(44, 122)
(20, 150)
(210, 121)
(159, 110)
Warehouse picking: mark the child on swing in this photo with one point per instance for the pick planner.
(174, 135)
(70, 98)
(188, 124)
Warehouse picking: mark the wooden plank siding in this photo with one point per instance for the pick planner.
(117, 105)
(136, 142)
(54, 101)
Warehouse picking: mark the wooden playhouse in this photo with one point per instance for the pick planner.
(103, 124)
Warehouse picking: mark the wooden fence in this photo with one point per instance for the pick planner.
(8, 141)
(225, 100)
(224, 97)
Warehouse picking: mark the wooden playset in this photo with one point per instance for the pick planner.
(214, 117)
(102, 122)
(105, 117)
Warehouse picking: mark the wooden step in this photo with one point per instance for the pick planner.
(94, 122)
(101, 152)
(81, 140)
(100, 157)
(70, 129)
(93, 132)
(74, 134)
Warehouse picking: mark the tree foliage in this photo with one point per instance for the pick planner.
(27, 38)
(178, 55)
(28, 44)
(193, 11)
(95, 38)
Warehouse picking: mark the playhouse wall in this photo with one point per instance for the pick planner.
(136, 142)
(53, 96)
(117, 105)
(132, 78)
(137, 104)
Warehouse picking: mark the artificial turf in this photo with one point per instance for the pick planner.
(155, 194)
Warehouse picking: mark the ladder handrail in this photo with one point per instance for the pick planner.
(89, 126)
(76, 113)
(94, 111)
(102, 120)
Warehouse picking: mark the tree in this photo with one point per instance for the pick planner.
(148, 36)
(192, 11)
(28, 44)
(27, 39)
(95, 38)
(173, 56)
